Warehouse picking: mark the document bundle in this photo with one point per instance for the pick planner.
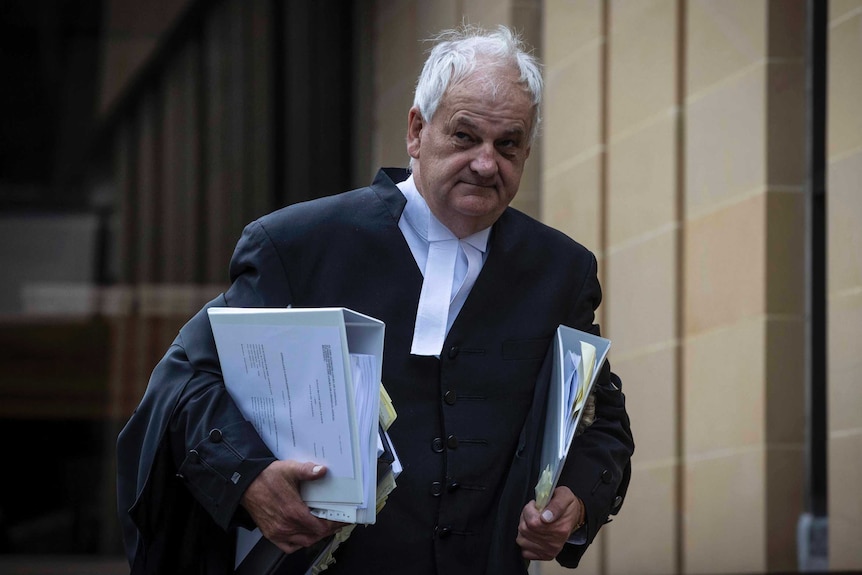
(308, 379)
(578, 357)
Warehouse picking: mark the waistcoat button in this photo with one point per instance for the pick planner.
(452, 442)
(215, 435)
(453, 352)
(436, 489)
(450, 397)
(443, 532)
(437, 445)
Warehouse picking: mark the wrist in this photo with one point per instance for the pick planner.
(582, 515)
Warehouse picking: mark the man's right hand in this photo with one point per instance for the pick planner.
(274, 503)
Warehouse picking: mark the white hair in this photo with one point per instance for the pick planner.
(454, 58)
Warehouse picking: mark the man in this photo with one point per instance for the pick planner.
(471, 292)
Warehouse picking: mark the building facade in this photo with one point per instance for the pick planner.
(708, 151)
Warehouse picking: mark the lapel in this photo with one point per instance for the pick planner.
(385, 188)
(386, 222)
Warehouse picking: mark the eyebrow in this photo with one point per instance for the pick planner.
(514, 132)
(507, 133)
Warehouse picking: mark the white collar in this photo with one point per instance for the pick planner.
(419, 216)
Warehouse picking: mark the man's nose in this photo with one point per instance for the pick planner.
(485, 161)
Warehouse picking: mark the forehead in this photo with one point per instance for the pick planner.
(497, 91)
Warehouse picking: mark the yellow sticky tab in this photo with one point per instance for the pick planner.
(387, 410)
(588, 358)
(543, 488)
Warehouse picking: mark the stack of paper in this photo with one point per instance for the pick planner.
(388, 464)
(309, 381)
(578, 357)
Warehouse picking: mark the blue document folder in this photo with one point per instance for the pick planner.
(577, 361)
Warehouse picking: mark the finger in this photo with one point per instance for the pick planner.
(534, 551)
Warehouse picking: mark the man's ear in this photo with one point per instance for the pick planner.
(415, 123)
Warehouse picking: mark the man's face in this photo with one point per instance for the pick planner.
(468, 161)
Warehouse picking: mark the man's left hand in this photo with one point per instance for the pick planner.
(542, 535)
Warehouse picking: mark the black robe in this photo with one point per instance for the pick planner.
(468, 425)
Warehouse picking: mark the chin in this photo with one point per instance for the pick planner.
(478, 209)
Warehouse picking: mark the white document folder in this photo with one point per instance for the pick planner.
(293, 373)
(578, 357)
(288, 366)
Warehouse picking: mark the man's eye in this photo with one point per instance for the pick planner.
(462, 136)
(509, 148)
(510, 143)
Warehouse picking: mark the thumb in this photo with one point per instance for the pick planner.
(555, 508)
(559, 504)
(306, 471)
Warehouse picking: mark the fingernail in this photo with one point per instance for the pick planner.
(316, 469)
(547, 516)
